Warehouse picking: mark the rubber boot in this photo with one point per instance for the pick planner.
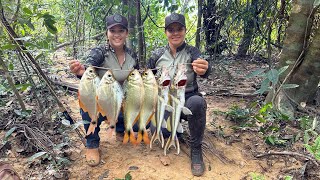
(93, 156)
(197, 123)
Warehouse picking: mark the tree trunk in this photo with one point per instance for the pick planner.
(304, 66)
(200, 2)
(248, 28)
(132, 23)
(209, 19)
(140, 35)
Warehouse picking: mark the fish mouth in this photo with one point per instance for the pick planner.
(182, 82)
(165, 83)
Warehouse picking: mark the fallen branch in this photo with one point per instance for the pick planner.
(290, 154)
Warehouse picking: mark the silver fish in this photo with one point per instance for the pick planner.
(132, 102)
(149, 104)
(109, 98)
(162, 105)
(87, 96)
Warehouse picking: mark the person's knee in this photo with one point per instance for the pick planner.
(195, 103)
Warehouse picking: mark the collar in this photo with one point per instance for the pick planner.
(183, 45)
(112, 50)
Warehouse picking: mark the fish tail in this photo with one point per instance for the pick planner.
(157, 136)
(126, 137)
(139, 138)
(178, 146)
(132, 138)
(170, 142)
(146, 139)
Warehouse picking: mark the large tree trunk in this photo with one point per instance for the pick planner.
(249, 27)
(132, 23)
(304, 66)
(200, 2)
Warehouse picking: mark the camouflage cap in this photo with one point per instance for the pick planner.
(116, 19)
(175, 18)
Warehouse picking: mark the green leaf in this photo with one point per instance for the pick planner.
(264, 87)
(128, 176)
(255, 73)
(273, 76)
(289, 86)
(316, 3)
(265, 108)
(283, 69)
(8, 134)
(10, 67)
(37, 155)
(23, 87)
(270, 140)
(259, 118)
(27, 10)
(8, 47)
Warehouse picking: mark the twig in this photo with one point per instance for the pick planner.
(290, 154)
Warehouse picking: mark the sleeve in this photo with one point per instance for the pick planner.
(95, 57)
(195, 54)
(155, 56)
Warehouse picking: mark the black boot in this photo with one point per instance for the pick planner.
(197, 164)
(197, 124)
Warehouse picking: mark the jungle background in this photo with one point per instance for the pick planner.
(263, 94)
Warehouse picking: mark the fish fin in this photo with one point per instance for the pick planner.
(153, 121)
(91, 128)
(126, 137)
(170, 142)
(146, 139)
(136, 120)
(132, 138)
(139, 138)
(100, 110)
(169, 108)
(82, 106)
(180, 128)
(178, 146)
(149, 119)
(186, 111)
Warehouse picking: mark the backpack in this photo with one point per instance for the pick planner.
(7, 172)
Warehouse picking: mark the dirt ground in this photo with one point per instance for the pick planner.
(231, 154)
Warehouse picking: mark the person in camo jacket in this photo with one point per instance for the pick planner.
(114, 55)
(175, 52)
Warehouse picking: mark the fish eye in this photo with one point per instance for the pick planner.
(90, 71)
(109, 75)
(145, 73)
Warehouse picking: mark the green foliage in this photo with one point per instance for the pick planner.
(314, 149)
(256, 176)
(288, 178)
(267, 120)
(126, 177)
(270, 79)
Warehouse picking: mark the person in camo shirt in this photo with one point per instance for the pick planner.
(114, 55)
(175, 52)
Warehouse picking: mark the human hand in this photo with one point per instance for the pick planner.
(200, 66)
(76, 67)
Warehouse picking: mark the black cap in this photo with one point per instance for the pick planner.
(175, 18)
(116, 19)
